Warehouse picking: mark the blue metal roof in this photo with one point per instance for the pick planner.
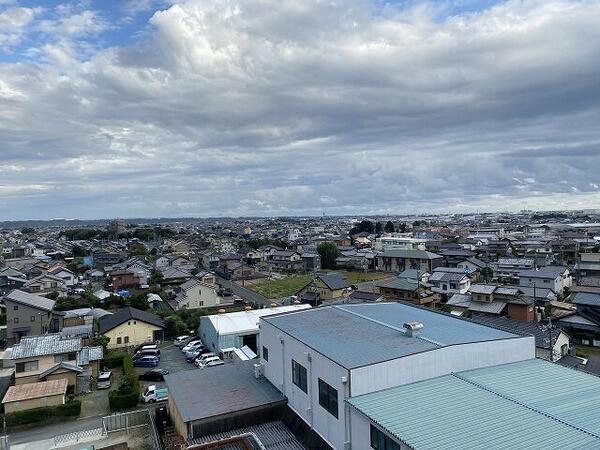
(531, 404)
(363, 334)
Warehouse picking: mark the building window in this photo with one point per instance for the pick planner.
(328, 398)
(118, 340)
(126, 339)
(32, 318)
(16, 320)
(201, 303)
(265, 353)
(65, 357)
(16, 308)
(380, 441)
(299, 376)
(28, 366)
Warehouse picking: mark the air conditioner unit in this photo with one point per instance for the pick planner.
(344, 380)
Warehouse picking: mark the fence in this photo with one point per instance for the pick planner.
(78, 436)
(126, 421)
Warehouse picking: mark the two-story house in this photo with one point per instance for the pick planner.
(556, 278)
(130, 327)
(46, 284)
(400, 260)
(51, 357)
(29, 315)
(197, 293)
(286, 259)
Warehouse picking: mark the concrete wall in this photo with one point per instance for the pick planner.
(278, 370)
(455, 358)
(138, 332)
(180, 425)
(52, 400)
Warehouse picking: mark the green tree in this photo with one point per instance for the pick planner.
(100, 341)
(175, 325)
(78, 252)
(156, 277)
(389, 227)
(378, 227)
(138, 250)
(486, 273)
(402, 228)
(328, 253)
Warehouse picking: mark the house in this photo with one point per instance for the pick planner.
(194, 294)
(29, 315)
(130, 327)
(125, 279)
(471, 264)
(64, 274)
(286, 260)
(448, 283)
(588, 265)
(321, 358)
(511, 267)
(400, 260)
(174, 275)
(551, 343)
(35, 395)
(407, 290)
(52, 357)
(237, 329)
(311, 261)
(330, 286)
(555, 278)
(46, 284)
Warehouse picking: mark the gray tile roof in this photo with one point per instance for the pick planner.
(35, 301)
(486, 289)
(409, 253)
(334, 281)
(123, 315)
(587, 298)
(47, 344)
(550, 272)
(539, 331)
(403, 284)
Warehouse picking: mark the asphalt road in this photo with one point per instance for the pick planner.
(246, 294)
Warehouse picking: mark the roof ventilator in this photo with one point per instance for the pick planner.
(413, 329)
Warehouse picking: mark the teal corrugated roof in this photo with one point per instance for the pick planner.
(527, 405)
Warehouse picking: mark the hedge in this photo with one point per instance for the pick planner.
(35, 415)
(113, 360)
(128, 392)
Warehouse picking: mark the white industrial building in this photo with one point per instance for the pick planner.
(321, 358)
(237, 329)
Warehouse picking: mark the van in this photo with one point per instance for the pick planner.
(200, 360)
(218, 362)
(104, 380)
(182, 340)
(148, 347)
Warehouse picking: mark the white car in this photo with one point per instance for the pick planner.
(205, 362)
(203, 358)
(190, 345)
(179, 340)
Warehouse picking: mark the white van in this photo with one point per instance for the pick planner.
(104, 380)
(218, 362)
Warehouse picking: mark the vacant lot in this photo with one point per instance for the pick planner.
(280, 288)
(359, 277)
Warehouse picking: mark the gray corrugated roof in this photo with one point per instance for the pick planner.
(587, 298)
(368, 333)
(47, 344)
(272, 435)
(219, 390)
(25, 298)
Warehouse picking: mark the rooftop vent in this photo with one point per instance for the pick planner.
(413, 328)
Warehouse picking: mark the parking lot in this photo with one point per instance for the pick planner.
(171, 359)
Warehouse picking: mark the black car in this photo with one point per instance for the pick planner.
(154, 375)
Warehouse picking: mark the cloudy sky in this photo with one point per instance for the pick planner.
(265, 107)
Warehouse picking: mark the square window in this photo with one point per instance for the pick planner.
(15, 308)
(126, 339)
(16, 320)
(32, 318)
(118, 340)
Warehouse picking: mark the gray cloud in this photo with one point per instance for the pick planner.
(260, 107)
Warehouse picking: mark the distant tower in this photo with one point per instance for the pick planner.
(116, 227)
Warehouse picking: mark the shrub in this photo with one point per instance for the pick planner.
(113, 360)
(128, 392)
(36, 415)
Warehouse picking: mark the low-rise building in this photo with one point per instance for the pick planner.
(35, 395)
(130, 327)
(29, 315)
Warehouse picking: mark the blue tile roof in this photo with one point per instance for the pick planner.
(363, 334)
(531, 404)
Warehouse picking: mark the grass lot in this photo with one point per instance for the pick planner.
(585, 352)
(280, 288)
(360, 277)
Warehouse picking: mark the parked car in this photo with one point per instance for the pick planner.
(104, 380)
(153, 394)
(213, 363)
(190, 345)
(154, 375)
(146, 361)
(208, 362)
(192, 355)
(204, 357)
(180, 341)
(147, 352)
(146, 346)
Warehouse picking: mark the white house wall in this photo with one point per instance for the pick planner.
(430, 364)
(278, 370)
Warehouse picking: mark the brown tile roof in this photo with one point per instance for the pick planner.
(30, 391)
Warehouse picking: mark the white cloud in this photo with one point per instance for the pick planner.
(266, 107)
